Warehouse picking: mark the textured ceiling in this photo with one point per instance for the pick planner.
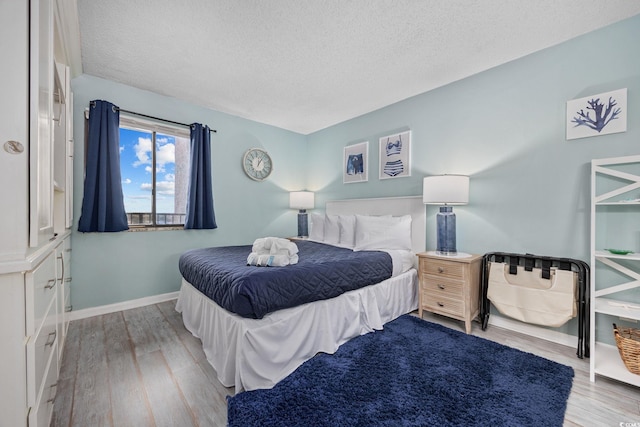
(304, 65)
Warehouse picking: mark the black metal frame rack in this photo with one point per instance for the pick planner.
(545, 263)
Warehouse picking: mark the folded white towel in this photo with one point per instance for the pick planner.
(274, 246)
(267, 260)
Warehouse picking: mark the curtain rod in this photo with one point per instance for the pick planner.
(153, 117)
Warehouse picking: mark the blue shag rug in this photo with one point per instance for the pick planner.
(413, 373)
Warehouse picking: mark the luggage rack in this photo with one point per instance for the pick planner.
(529, 261)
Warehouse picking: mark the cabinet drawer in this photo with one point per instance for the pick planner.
(454, 270)
(39, 350)
(440, 304)
(446, 287)
(41, 288)
(40, 415)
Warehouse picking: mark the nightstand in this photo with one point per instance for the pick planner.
(450, 286)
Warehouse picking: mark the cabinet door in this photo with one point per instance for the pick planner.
(69, 151)
(40, 127)
(14, 129)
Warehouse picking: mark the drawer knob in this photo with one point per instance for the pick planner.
(440, 286)
(440, 270)
(440, 304)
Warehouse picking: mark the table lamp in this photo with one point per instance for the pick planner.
(446, 190)
(302, 200)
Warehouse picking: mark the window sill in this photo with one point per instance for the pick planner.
(135, 229)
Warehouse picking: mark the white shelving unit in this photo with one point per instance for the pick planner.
(615, 279)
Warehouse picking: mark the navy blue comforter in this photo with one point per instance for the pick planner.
(323, 272)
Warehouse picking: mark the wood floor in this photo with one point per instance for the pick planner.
(141, 367)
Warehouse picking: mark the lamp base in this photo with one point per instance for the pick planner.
(446, 221)
(303, 223)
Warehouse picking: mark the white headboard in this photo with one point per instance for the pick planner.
(396, 206)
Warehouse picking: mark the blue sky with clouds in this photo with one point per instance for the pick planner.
(136, 169)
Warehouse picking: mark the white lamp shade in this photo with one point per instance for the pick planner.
(301, 199)
(445, 190)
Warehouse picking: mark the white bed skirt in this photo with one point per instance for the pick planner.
(253, 354)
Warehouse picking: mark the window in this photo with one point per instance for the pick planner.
(154, 164)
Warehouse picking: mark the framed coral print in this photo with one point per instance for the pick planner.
(599, 114)
(355, 163)
(395, 155)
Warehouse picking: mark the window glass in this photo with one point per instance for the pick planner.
(155, 176)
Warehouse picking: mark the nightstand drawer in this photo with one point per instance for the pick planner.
(443, 286)
(439, 268)
(442, 305)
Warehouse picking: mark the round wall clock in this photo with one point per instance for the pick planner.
(257, 164)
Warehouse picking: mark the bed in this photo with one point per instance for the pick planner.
(265, 344)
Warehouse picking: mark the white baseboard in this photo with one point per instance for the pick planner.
(534, 331)
(125, 305)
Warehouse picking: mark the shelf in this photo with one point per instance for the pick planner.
(617, 308)
(608, 363)
(615, 183)
(606, 254)
(633, 203)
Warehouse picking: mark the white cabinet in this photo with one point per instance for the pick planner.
(33, 326)
(42, 337)
(35, 245)
(615, 277)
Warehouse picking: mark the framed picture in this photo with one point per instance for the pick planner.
(395, 155)
(355, 163)
(599, 114)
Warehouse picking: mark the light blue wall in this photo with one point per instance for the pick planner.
(505, 128)
(115, 267)
(530, 187)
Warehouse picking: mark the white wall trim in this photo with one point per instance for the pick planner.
(125, 305)
(534, 331)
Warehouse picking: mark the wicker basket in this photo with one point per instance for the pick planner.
(628, 341)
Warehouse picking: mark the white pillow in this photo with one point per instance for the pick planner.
(332, 230)
(347, 227)
(383, 233)
(316, 224)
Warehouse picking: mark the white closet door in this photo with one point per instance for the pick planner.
(41, 138)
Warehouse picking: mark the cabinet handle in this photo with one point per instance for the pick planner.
(61, 258)
(440, 304)
(50, 284)
(441, 286)
(53, 399)
(55, 334)
(440, 270)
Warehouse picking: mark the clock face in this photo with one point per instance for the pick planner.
(257, 164)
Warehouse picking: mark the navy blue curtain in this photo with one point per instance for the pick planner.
(200, 213)
(103, 204)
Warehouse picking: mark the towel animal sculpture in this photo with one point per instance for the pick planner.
(273, 252)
